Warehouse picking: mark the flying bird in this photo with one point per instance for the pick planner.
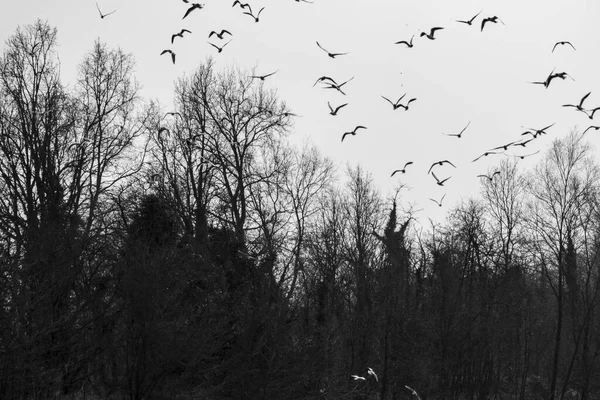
(431, 33)
(334, 111)
(523, 143)
(242, 5)
(536, 132)
(525, 155)
(458, 135)
(353, 132)
(192, 8)
(408, 44)
(338, 87)
(487, 153)
(180, 34)
(254, 16)
(172, 54)
(372, 373)
(104, 15)
(590, 113)
(219, 35)
(219, 49)
(332, 55)
(403, 170)
(504, 146)
(490, 177)
(414, 392)
(323, 79)
(440, 163)
(397, 104)
(262, 77)
(407, 103)
(357, 378)
(579, 106)
(439, 203)
(563, 43)
(590, 127)
(440, 183)
(493, 19)
(469, 22)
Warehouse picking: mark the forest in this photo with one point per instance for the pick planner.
(194, 253)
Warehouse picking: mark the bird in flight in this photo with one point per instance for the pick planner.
(219, 35)
(590, 113)
(323, 79)
(523, 143)
(254, 16)
(504, 146)
(487, 153)
(590, 127)
(353, 132)
(104, 15)
(493, 19)
(372, 373)
(397, 104)
(408, 44)
(439, 203)
(440, 183)
(440, 163)
(458, 135)
(334, 111)
(562, 43)
(469, 22)
(219, 49)
(536, 132)
(579, 106)
(338, 87)
(431, 33)
(332, 55)
(525, 155)
(192, 8)
(407, 103)
(490, 177)
(262, 77)
(414, 392)
(180, 34)
(546, 83)
(403, 170)
(242, 5)
(357, 378)
(172, 54)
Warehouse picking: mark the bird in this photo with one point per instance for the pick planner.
(407, 103)
(439, 203)
(254, 16)
(242, 5)
(172, 54)
(469, 22)
(523, 143)
(493, 19)
(332, 55)
(440, 183)
(323, 79)
(414, 392)
(458, 135)
(504, 146)
(219, 49)
(353, 132)
(357, 378)
(440, 163)
(590, 127)
(102, 16)
(262, 77)
(431, 32)
(338, 87)
(408, 44)
(219, 35)
(373, 374)
(334, 111)
(180, 34)
(563, 43)
(487, 153)
(579, 106)
(525, 155)
(536, 132)
(490, 177)
(403, 170)
(192, 8)
(590, 113)
(397, 104)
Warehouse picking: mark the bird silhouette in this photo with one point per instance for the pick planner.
(334, 111)
(397, 104)
(546, 83)
(439, 203)
(408, 44)
(358, 378)
(562, 43)
(440, 163)
(257, 16)
(590, 127)
(325, 78)
(440, 183)
(504, 146)
(431, 33)
(102, 16)
(338, 87)
(590, 113)
(469, 22)
(458, 135)
(172, 54)
(490, 177)
(219, 35)
(219, 49)
(414, 392)
(523, 143)
(180, 34)
(493, 19)
(242, 5)
(537, 132)
(407, 103)
(353, 132)
(373, 374)
(332, 55)
(192, 8)
(525, 155)
(487, 153)
(262, 77)
(579, 106)
(403, 170)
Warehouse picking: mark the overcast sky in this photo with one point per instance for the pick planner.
(462, 76)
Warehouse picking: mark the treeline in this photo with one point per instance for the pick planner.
(195, 254)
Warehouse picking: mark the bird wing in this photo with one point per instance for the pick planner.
(346, 134)
(98, 9)
(385, 98)
(211, 34)
(442, 199)
(173, 37)
(555, 44)
(338, 107)
(446, 161)
(436, 178)
(259, 11)
(569, 43)
(403, 42)
(483, 23)
(437, 28)
(407, 164)
(432, 165)
(225, 31)
(266, 76)
(359, 127)
(398, 170)
(583, 99)
(165, 51)
(185, 30)
(188, 11)
(475, 16)
(173, 57)
(216, 47)
(465, 128)
(321, 47)
(410, 101)
(442, 182)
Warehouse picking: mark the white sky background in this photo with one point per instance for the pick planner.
(464, 75)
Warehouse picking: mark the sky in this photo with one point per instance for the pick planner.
(464, 76)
